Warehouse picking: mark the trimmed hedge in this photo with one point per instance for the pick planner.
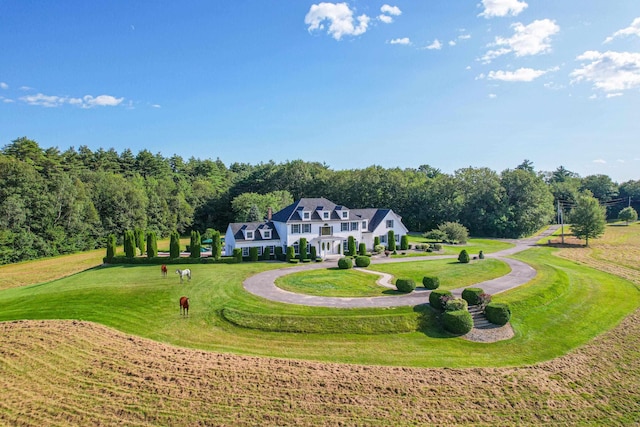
(253, 253)
(237, 254)
(405, 285)
(497, 313)
(457, 322)
(434, 298)
(431, 282)
(165, 260)
(345, 263)
(472, 295)
(404, 242)
(363, 261)
(362, 249)
(464, 257)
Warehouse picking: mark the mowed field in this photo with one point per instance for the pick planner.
(81, 373)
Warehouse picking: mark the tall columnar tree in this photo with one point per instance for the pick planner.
(628, 215)
(303, 248)
(195, 244)
(376, 241)
(111, 246)
(588, 218)
(174, 245)
(140, 240)
(351, 244)
(152, 244)
(391, 240)
(216, 245)
(404, 242)
(129, 244)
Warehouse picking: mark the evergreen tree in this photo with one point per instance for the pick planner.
(174, 245)
(216, 245)
(351, 244)
(152, 244)
(140, 240)
(111, 246)
(129, 244)
(391, 241)
(303, 248)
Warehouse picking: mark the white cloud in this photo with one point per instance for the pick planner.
(404, 40)
(3, 85)
(25, 88)
(452, 42)
(156, 105)
(464, 36)
(614, 95)
(386, 19)
(391, 10)
(87, 101)
(340, 17)
(602, 161)
(609, 71)
(594, 96)
(532, 39)
(502, 8)
(435, 45)
(633, 29)
(492, 96)
(520, 75)
(468, 67)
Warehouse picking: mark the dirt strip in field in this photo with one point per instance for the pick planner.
(80, 373)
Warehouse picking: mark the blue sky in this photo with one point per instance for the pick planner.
(451, 84)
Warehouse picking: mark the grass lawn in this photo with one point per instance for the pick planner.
(559, 310)
(473, 246)
(333, 282)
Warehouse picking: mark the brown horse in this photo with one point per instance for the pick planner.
(164, 270)
(184, 306)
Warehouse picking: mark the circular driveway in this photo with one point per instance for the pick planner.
(263, 284)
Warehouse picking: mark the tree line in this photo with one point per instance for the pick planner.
(55, 202)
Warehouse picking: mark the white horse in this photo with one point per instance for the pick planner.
(183, 274)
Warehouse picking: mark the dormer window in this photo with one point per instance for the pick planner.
(345, 214)
(249, 235)
(266, 234)
(306, 215)
(325, 215)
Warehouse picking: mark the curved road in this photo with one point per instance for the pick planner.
(263, 284)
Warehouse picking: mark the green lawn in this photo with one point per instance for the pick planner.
(473, 246)
(333, 282)
(564, 307)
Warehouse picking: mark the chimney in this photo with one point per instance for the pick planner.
(269, 214)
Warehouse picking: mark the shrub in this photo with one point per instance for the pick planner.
(457, 322)
(464, 257)
(152, 244)
(404, 242)
(378, 248)
(430, 282)
(140, 240)
(129, 244)
(253, 253)
(435, 234)
(434, 298)
(497, 313)
(437, 247)
(237, 255)
(362, 249)
(266, 253)
(456, 232)
(472, 295)
(484, 300)
(481, 255)
(363, 261)
(111, 246)
(455, 304)
(291, 253)
(174, 245)
(405, 285)
(376, 242)
(345, 263)
(279, 254)
(195, 245)
(313, 253)
(303, 248)
(216, 245)
(391, 238)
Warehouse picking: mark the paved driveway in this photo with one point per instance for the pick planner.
(263, 284)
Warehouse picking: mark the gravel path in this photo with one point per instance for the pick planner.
(263, 284)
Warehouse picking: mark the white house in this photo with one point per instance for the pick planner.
(324, 224)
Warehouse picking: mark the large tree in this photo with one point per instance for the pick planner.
(588, 218)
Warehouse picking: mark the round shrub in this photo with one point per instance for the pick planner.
(378, 249)
(455, 304)
(434, 298)
(497, 313)
(345, 263)
(481, 255)
(437, 247)
(405, 285)
(464, 257)
(431, 282)
(363, 261)
(472, 295)
(457, 322)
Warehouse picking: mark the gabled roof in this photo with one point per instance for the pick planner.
(292, 212)
(238, 228)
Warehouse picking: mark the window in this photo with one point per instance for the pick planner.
(345, 246)
(296, 247)
(364, 225)
(354, 226)
(259, 250)
(306, 228)
(345, 214)
(295, 228)
(306, 215)
(272, 249)
(397, 238)
(344, 226)
(326, 231)
(249, 235)
(389, 223)
(325, 215)
(383, 238)
(245, 251)
(266, 234)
